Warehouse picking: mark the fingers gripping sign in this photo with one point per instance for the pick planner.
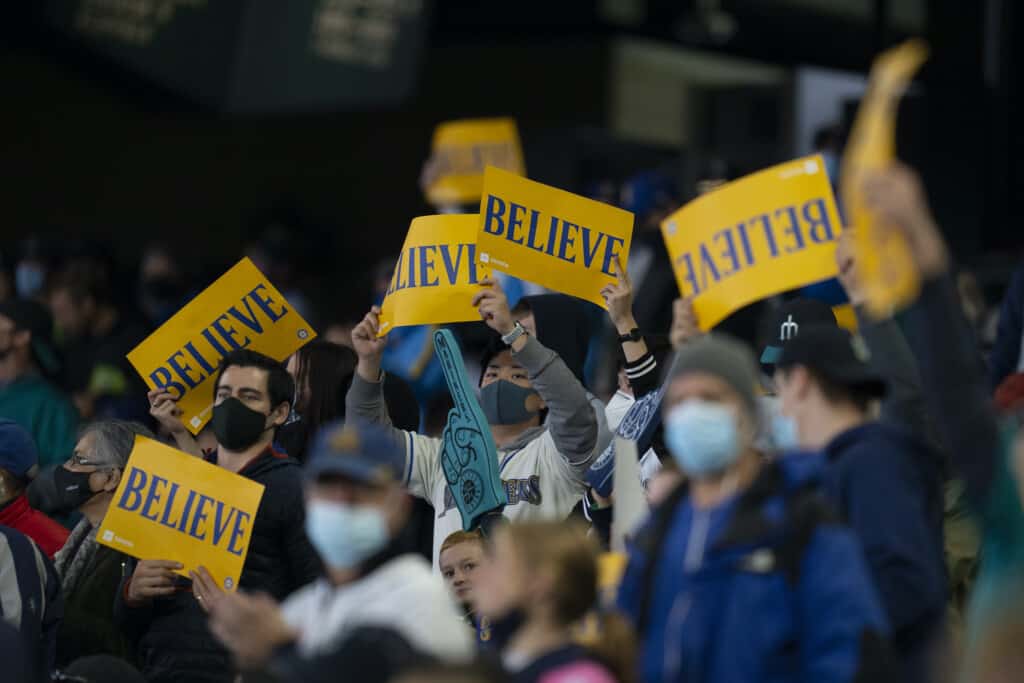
(469, 457)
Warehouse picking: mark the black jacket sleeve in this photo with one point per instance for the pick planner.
(1006, 352)
(956, 386)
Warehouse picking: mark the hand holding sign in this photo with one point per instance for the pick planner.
(207, 593)
(684, 323)
(618, 299)
(367, 343)
(152, 579)
(492, 304)
(164, 409)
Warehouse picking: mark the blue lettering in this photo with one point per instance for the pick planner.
(452, 269)
(136, 482)
(218, 527)
(590, 251)
(707, 264)
(411, 262)
(228, 334)
(729, 251)
(203, 363)
(200, 516)
(745, 241)
(690, 274)
(471, 251)
(515, 220)
(214, 343)
(183, 370)
(152, 497)
(237, 533)
(793, 229)
(426, 266)
(766, 222)
(822, 221)
(264, 303)
(162, 379)
(568, 240)
(534, 215)
(495, 212)
(552, 235)
(187, 511)
(251, 322)
(166, 519)
(610, 252)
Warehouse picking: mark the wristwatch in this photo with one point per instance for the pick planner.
(634, 335)
(517, 332)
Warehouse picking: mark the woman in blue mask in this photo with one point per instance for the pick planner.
(742, 573)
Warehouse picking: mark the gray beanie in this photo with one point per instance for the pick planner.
(724, 357)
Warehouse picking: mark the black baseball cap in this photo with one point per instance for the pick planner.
(835, 355)
(32, 316)
(778, 329)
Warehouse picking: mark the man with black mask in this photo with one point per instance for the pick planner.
(253, 398)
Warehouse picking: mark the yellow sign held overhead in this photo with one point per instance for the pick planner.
(893, 281)
(173, 506)
(241, 309)
(461, 152)
(551, 237)
(436, 275)
(766, 233)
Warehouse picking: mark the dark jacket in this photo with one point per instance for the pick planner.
(173, 640)
(89, 627)
(888, 486)
(746, 593)
(30, 599)
(1006, 352)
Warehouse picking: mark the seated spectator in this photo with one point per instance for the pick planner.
(30, 601)
(164, 612)
(744, 543)
(461, 556)
(379, 609)
(18, 459)
(90, 573)
(27, 359)
(96, 338)
(539, 582)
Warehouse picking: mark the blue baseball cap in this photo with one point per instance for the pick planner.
(17, 449)
(360, 451)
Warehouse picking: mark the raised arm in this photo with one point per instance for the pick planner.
(641, 368)
(955, 382)
(572, 420)
(365, 397)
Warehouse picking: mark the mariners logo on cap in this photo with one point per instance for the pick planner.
(789, 329)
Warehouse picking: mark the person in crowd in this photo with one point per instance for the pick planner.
(1006, 357)
(99, 669)
(379, 609)
(322, 372)
(745, 542)
(462, 553)
(18, 459)
(886, 487)
(32, 269)
(539, 582)
(27, 359)
(162, 288)
(164, 612)
(544, 458)
(989, 455)
(96, 338)
(91, 573)
(30, 601)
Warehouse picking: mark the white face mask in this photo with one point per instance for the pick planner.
(617, 407)
(345, 535)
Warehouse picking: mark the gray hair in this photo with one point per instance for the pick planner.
(113, 440)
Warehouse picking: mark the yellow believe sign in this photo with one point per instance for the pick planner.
(551, 237)
(436, 275)
(241, 309)
(173, 506)
(766, 233)
(463, 149)
(891, 282)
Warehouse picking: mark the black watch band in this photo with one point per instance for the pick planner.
(634, 335)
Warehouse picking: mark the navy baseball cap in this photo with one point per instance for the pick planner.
(360, 451)
(835, 355)
(778, 329)
(17, 449)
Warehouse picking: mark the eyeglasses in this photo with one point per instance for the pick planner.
(81, 461)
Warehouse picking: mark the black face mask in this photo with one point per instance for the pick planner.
(72, 490)
(237, 426)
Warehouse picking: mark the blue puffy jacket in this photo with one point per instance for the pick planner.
(765, 588)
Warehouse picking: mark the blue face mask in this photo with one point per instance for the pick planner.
(28, 280)
(784, 435)
(345, 535)
(505, 403)
(702, 437)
